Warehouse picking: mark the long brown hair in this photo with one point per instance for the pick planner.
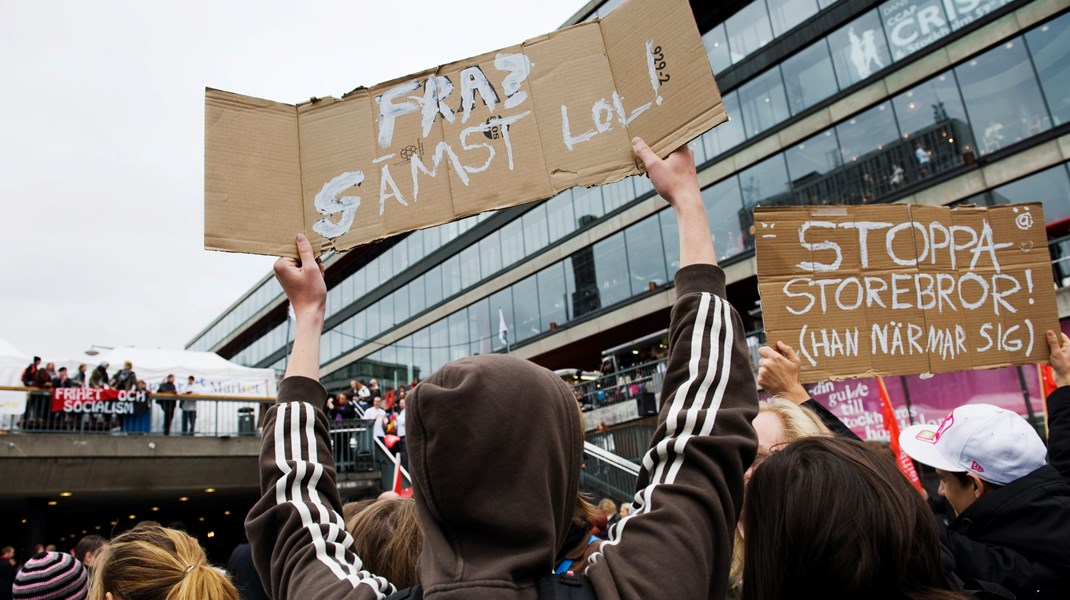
(389, 539)
(828, 517)
(150, 562)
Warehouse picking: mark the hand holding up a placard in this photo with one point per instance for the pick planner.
(778, 372)
(1060, 357)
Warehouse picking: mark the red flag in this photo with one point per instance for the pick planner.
(1047, 381)
(906, 466)
(404, 492)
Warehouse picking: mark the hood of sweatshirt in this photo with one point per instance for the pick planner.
(495, 445)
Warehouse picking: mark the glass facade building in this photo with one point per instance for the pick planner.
(830, 102)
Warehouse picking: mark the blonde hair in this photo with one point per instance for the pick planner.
(387, 536)
(798, 423)
(150, 562)
(607, 506)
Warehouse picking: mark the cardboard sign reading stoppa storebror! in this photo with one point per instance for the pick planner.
(901, 289)
(502, 129)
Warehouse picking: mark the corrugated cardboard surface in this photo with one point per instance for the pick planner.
(907, 289)
(484, 133)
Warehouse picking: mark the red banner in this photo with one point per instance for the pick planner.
(906, 466)
(99, 401)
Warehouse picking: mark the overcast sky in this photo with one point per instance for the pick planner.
(102, 142)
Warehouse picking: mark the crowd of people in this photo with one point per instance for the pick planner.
(736, 498)
(386, 412)
(39, 414)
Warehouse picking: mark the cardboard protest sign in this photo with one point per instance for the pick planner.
(899, 289)
(501, 129)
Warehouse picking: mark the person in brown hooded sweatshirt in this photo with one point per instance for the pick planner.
(495, 447)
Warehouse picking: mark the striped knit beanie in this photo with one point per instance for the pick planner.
(51, 576)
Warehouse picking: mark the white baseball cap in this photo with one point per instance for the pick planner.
(995, 444)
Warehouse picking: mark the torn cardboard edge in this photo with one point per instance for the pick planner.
(489, 132)
(928, 289)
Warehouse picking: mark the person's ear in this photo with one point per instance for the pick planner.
(109, 596)
(977, 487)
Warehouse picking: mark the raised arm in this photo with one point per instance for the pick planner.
(1058, 403)
(691, 484)
(299, 542)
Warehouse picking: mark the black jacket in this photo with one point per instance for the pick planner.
(1019, 535)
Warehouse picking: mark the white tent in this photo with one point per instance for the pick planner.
(12, 362)
(213, 373)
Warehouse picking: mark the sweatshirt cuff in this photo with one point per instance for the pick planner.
(694, 279)
(302, 389)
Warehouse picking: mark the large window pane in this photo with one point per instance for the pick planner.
(1050, 187)
(458, 325)
(724, 209)
(727, 135)
(763, 103)
(400, 256)
(490, 254)
(867, 132)
(570, 288)
(585, 296)
(433, 285)
(417, 295)
(526, 308)
(432, 239)
(859, 49)
(536, 233)
(553, 301)
(440, 344)
(611, 268)
(910, 25)
(470, 272)
(932, 119)
(451, 276)
(512, 243)
(400, 301)
(421, 352)
(748, 30)
(587, 203)
(813, 165)
(615, 195)
(716, 44)
(1002, 97)
(670, 237)
(786, 14)
(404, 360)
(501, 307)
(559, 215)
(646, 263)
(765, 183)
(479, 327)
(415, 243)
(873, 159)
(1050, 46)
(809, 77)
(373, 320)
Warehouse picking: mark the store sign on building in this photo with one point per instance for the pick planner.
(902, 289)
(501, 129)
(910, 25)
(913, 24)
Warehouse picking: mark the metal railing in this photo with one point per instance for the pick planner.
(210, 415)
(611, 461)
(621, 386)
(357, 450)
